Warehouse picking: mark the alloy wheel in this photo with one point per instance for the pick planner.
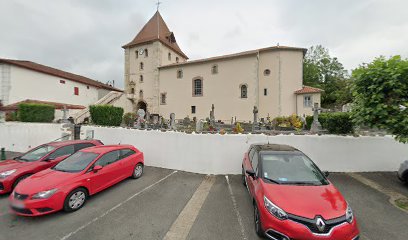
(77, 200)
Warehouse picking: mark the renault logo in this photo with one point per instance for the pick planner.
(320, 224)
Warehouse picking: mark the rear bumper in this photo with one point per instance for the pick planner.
(36, 207)
(288, 229)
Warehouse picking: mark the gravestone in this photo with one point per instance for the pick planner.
(155, 119)
(212, 115)
(172, 121)
(199, 125)
(255, 123)
(316, 126)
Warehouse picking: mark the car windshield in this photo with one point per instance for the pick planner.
(291, 168)
(76, 162)
(36, 153)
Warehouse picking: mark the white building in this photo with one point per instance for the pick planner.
(25, 81)
(160, 79)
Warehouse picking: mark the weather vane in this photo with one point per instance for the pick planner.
(158, 4)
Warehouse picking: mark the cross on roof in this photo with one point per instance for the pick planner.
(158, 4)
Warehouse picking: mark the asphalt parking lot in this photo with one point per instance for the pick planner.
(150, 207)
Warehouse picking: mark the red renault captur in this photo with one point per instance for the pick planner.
(68, 185)
(38, 159)
(292, 198)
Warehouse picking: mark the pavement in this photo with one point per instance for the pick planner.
(165, 202)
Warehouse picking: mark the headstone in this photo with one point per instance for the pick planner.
(172, 121)
(255, 123)
(212, 114)
(316, 126)
(199, 125)
(155, 119)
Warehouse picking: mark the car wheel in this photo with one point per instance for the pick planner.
(137, 171)
(257, 220)
(75, 200)
(243, 178)
(19, 180)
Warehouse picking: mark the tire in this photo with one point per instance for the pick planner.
(257, 220)
(19, 180)
(75, 200)
(137, 171)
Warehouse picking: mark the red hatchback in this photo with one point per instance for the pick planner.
(68, 184)
(38, 159)
(292, 198)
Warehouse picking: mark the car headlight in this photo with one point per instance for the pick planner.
(44, 194)
(275, 210)
(349, 214)
(7, 173)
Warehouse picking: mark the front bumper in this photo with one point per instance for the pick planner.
(288, 229)
(5, 185)
(25, 206)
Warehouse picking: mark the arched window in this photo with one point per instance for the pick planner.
(169, 56)
(177, 59)
(244, 91)
(214, 69)
(141, 94)
(179, 73)
(267, 72)
(141, 66)
(197, 87)
(146, 52)
(141, 78)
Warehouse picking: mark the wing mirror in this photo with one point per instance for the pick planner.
(97, 168)
(251, 173)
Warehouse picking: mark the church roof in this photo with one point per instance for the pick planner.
(156, 29)
(307, 89)
(58, 73)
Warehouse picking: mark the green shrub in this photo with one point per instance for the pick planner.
(334, 123)
(292, 121)
(12, 116)
(32, 112)
(309, 121)
(106, 115)
(129, 118)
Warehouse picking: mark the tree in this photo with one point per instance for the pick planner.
(380, 93)
(322, 71)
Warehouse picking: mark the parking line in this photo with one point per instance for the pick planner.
(234, 203)
(115, 207)
(182, 225)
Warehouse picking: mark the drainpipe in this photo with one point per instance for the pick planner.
(280, 87)
(257, 81)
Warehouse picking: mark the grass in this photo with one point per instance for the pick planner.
(402, 203)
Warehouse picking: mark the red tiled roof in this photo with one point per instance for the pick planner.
(14, 106)
(156, 29)
(307, 89)
(58, 73)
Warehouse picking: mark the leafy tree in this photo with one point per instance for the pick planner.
(322, 71)
(380, 93)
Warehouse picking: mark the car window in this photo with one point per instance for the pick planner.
(108, 158)
(251, 153)
(63, 151)
(124, 153)
(255, 163)
(36, 153)
(80, 146)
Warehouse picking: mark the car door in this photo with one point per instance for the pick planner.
(108, 175)
(127, 162)
(254, 162)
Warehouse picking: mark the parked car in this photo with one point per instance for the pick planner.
(403, 172)
(38, 159)
(67, 185)
(292, 198)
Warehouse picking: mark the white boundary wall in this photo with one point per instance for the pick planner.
(222, 154)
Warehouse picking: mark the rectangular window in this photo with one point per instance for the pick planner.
(265, 92)
(193, 109)
(197, 87)
(76, 91)
(62, 81)
(163, 98)
(307, 101)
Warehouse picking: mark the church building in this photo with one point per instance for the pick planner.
(160, 79)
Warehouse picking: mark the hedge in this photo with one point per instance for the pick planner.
(334, 123)
(32, 112)
(106, 115)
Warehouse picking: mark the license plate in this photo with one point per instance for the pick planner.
(18, 205)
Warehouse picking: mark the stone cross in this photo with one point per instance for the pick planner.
(255, 123)
(212, 115)
(316, 126)
(172, 121)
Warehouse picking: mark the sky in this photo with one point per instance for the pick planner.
(85, 36)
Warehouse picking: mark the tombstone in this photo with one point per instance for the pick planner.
(255, 123)
(212, 115)
(316, 126)
(155, 119)
(199, 125)
(148, 116)
(172, 121)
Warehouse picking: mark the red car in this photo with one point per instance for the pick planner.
(68, 184)
(38, 159)
(292, 198)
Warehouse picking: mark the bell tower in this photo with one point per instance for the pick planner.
(154, 46)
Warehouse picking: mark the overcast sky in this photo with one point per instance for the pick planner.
(85, 36)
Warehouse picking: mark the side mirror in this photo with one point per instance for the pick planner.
(97, 168)
(326, 173)
(251, 173)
